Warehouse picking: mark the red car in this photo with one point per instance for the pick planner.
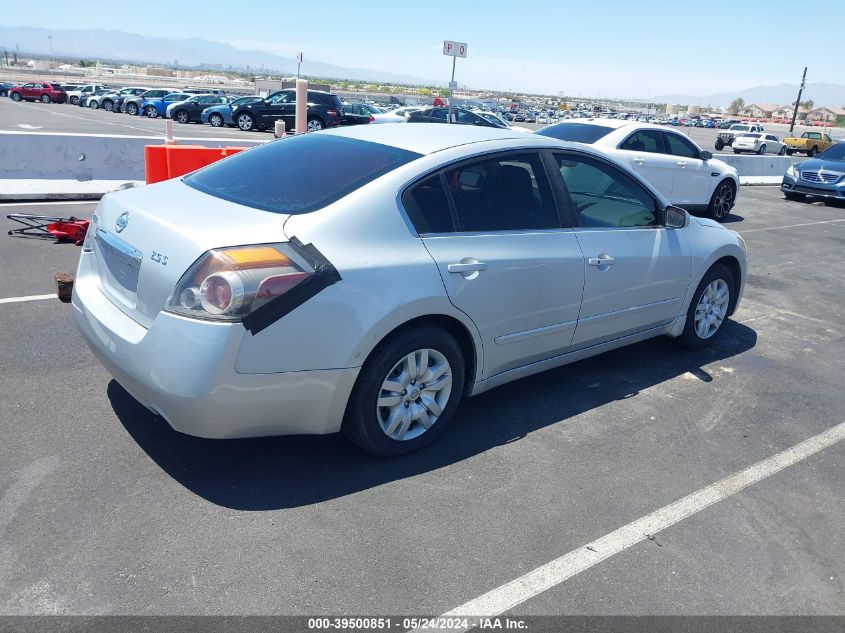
(39, 91)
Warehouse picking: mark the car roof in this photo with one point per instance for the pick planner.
(427, 138)
(614, 123)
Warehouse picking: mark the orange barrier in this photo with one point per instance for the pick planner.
(163, 162)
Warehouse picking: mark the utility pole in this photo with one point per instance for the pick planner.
(798, 100)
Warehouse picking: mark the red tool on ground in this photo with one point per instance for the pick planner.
(45, 226)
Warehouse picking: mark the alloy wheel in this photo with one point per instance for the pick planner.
(414, 394)
(723, 201)
(245, 122)
(711, 309)
(314, 125)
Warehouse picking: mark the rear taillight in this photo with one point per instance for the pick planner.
(372, 118)
(227, 284)
(332, 113)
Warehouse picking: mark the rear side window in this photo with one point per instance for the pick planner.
(427, 205)
(644, 141)
(299, 174)
(679, 146)
(576, 132)
(502, 193)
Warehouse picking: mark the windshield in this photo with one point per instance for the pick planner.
(492, 118)
(836, 152)
(577, 132)
(298, 174)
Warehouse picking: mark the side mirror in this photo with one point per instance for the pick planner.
(705, 155)
(266, 102)
(675, 217)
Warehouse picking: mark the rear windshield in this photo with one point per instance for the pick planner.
(299, 174)
(577, 132)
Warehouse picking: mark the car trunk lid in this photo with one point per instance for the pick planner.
(147, 237)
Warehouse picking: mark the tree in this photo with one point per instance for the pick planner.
(736, 105)
(807, 104)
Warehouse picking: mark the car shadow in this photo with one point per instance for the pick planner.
(286, 472)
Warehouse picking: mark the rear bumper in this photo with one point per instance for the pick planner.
(183, 370)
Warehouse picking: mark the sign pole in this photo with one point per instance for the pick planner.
(451, 89)
(298, 63)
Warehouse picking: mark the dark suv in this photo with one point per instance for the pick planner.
(324, 110)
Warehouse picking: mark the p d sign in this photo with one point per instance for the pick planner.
(455, 49)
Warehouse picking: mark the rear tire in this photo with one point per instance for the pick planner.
(45, 98)
(132, 109)
(762, 150)
(711, 303)
(108, 105)
(782, 151)
(377, 415)
(722, 200)
(720, 145)
(314, 125)
(813, 151)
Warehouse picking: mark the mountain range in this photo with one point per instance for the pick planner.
(195, 52)
(821, 93)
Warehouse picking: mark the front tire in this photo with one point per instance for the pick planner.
(407, 392)
(722, 200)
(16, 96)
(720, 144)
(709, 308)
(151, 112)
(245, 122)
(108, 105)
(813, 151)
(45, 98)
(94, 104)
(216, 120)
(74, 100)
(782, 151)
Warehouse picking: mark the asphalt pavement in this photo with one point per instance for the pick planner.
(105, 510)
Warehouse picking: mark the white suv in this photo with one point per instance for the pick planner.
(685, 174)
(74, 96)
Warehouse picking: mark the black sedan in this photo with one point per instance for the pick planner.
(190, 111)
(354, 114)
(464, 117)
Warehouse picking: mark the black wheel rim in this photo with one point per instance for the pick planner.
(723, 200)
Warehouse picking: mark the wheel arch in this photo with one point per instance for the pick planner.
(454, 326)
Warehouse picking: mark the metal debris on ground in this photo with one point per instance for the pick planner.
(50, 227)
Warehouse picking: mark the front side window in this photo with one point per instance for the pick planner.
(604, 196)
(502, 193)
(438, 114)
(679, 146)
(644, 141)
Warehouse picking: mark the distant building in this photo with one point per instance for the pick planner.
(785, 112)
(826, 115)
(759, 110)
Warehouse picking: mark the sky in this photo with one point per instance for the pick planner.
(612, 48)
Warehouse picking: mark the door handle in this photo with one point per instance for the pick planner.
(639, 161)
(471, 267)
(601, 260)
(682, 163)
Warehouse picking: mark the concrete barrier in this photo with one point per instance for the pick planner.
(85, 157)
(753, 165)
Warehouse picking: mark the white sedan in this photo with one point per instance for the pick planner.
(685, 174)
(428, 263)
(759, 143)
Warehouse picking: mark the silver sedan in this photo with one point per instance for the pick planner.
(365, 280)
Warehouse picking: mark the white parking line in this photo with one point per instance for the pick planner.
(791, 226)
(81, 118)
(515, 592)
(29, 298)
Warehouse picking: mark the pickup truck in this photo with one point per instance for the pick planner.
(727, 137)
(809, 143)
